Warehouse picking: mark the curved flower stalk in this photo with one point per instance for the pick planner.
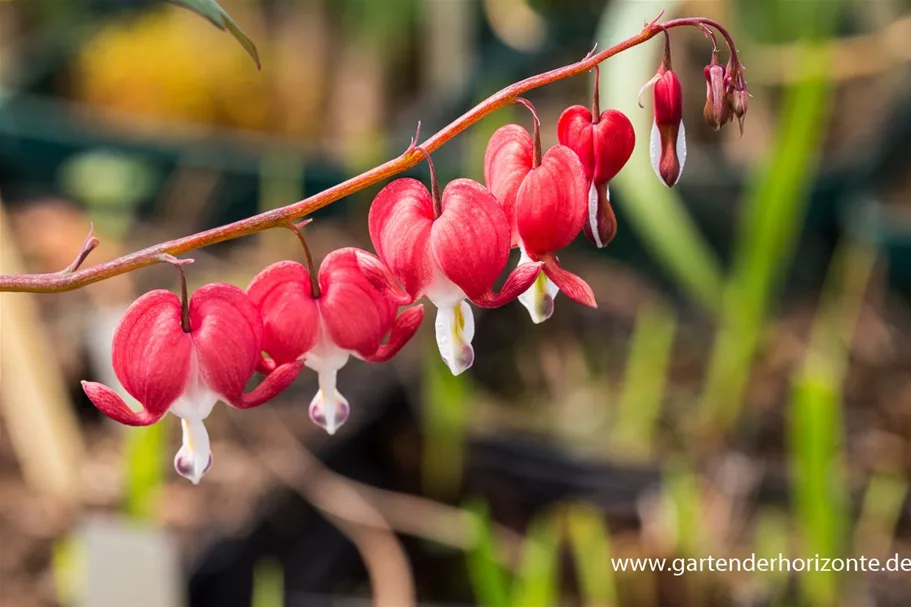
(450, 248)
(325, 321)
(185, 356)
(604, 142)
(545, 198)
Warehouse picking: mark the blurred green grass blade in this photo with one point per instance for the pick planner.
(589, 539)
(684, 506)
(145, 466)
(770, 224)
(268, 584)
(880, 512)
(489, 580)
(639, 407)
(656, 212)
(772, 538)
(816, 455)
(816, 444)
(447, 404)
(216, 15)
(538, 576)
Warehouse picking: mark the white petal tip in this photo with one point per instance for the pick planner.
(194, 458)
(539, 299)
(192, 466)
(330, 414)
(454, 332)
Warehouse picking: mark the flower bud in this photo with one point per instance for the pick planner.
(739, 100)
(716, 111)
(668, 139)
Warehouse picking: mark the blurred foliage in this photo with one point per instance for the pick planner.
(145, 470)
(771, 221)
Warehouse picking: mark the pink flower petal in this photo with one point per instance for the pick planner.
(572, 286)
(381, 278)
(273, 385)
(227, 333)
(399, 220)
(110, 403)
(507, 161)
(356, 314)
(151, 353)
(552, 202)
(406, 325)
(289, 314)
(614, 140)
(470, 240)
(518, 281)
(574, 130)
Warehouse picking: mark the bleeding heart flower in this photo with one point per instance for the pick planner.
(449, 248)
(324, 322)
(183, 358)
(604, 142)
(667, 148)
(548, 199)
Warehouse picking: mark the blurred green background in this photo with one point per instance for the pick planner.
(743, 389)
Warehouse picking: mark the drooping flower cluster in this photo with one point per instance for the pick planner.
(183, 354)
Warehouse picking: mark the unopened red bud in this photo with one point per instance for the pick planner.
(739, 103)
(716, 111)
(668, 140)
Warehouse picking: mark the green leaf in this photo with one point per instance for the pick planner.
(217, 16)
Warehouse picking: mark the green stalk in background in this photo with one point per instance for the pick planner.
(639, 407)
(771, 222)
(145, 465)
(268, 584)
(816, 424)
(589, 539)
(537, 582)
(447, 404)
(489, 579)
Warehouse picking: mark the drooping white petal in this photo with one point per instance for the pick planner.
(592, 221)
(681, 148)
(194, 458)
(654, 150)
(328, 409)
(455, 330)
(539, 298)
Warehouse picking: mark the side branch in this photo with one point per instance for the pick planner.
(55, 282)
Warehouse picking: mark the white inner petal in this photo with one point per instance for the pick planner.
(681, 148)
(454, 331)
(539, 298)
(443, 292)
(593, 217)
(328, 409)
(195, 455)
(198, 399)
(654, 150)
